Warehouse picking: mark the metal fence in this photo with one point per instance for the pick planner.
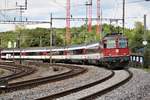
(136, 60)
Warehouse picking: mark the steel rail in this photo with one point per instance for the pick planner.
(109, 89)
(89, 97)
(67, 92)
(75, 71)
(17, 72)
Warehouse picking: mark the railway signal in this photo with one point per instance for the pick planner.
(145, 42)
(3, 84)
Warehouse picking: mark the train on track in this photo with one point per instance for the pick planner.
(111, 51)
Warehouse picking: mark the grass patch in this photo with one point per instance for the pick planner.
(147, 69)
(2, 72)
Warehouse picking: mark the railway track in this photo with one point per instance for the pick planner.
(115, 85)
(17, 72)
(75, 70)
(14, 71)
(95, 89)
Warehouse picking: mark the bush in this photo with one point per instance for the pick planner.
(1, 72)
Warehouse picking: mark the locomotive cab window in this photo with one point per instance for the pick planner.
(111, 43)
(122, 43)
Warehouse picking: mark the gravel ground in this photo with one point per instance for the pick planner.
(42, 72)
(92, 75)
(138, 88)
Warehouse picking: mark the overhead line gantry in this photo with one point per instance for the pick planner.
(68, 33)
(54, 18)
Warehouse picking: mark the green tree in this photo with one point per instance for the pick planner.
(137, 40)
(137, 37)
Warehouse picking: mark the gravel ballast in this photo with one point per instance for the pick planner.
(118, 77)
(138, 88)
(92, 75)
(42, 72)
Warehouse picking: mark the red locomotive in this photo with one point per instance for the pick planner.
(115, 50)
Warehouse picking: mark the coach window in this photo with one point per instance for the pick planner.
(122, 43)
(60, 52)
(32, 53)
(17, 53)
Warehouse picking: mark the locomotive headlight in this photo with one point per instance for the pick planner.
(117, 50)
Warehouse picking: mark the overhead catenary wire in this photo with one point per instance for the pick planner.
(137, 1)
(115, 12)
(133, 2)
(80, 4)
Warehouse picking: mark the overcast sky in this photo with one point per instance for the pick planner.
(41, 9)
